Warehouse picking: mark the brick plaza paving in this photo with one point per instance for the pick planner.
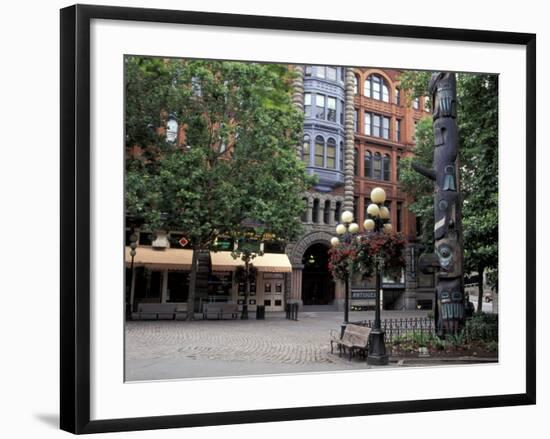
(216, 348)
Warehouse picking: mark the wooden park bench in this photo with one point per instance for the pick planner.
(355, 339)
(160, 311)
(220, 310)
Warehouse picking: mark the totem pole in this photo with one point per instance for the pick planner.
(446, 262)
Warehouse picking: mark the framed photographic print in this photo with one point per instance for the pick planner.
(274, 203)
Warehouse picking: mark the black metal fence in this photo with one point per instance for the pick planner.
(397, 328)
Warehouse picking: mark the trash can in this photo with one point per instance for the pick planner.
(260, 312)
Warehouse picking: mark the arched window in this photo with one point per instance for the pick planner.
(377, 172)
(319, 151)
(326, 212)
(376, 87)
(315, 213)
(306, 146)
(338, 211)
(331, 153)
(368, 164)
(304, 212)
(341, 156)
(386, 167)
(171, 129)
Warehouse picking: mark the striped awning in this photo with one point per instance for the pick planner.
(268, 262)
(164, 259)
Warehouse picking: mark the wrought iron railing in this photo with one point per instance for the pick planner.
(394, 328)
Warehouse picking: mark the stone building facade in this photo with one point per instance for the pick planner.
(358, 125)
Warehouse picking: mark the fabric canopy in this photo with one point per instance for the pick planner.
(170, 258)
(269, 262)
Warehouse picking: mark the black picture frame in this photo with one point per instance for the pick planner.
(75, 217)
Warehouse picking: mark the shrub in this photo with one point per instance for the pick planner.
(482, 327)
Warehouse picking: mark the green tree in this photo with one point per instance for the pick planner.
(237, 160)
(477, 119)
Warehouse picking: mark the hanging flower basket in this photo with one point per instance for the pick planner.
(341, 259)
(388, 246)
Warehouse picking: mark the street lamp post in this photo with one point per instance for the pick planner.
(133, 246)
(347, 229)
(377, 222)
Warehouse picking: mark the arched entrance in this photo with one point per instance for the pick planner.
(317, 283)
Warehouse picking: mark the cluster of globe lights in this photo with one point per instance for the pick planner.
(374, 210)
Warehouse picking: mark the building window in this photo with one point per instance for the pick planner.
(376, 119)
(337, 211)
(397, 96)
(399, 216)
(355, 85)
(377, 125)
(377, 88)
(385, 128)
(398, 130)
(305, 149)
(416, 103)
(368, 164)
(342, 156)
(355, 162)
(320, 72)
(319, 151)
(304, 212)
(171, 129)
(315, 213)
(386, 167)
(342, 112)
(326, 212)
(331, 106)
(356, 120)
(355, 208)
(343, 74)
(307, 104)
(331, 153)
(196, 86)
(319, 106)
(368, 117)
(377, 173)
(307, 71)
(331, 73)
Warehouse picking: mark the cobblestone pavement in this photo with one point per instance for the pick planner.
(208, 348)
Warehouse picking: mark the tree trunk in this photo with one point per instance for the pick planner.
(192, 286)
(244, 315)
(480, 290)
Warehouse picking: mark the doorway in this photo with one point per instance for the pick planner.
(317, 283)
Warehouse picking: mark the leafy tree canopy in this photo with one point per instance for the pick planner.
(236, 156)
(477, 120)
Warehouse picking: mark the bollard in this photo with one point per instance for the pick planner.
(295, 311)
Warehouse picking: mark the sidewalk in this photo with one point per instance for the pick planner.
(222, 348)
